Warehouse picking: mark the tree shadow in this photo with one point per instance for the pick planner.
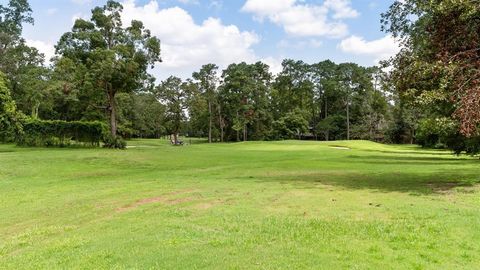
(379, 159)
(413, 152)
(412, 183)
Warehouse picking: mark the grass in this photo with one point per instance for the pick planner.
(273, 205)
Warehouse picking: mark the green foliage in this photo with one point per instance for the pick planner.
(434, 133)
(173, 93)
(61, 133)
(115, 58)
(10, 119)
(114, 142)
(437, 70)
(291, 126)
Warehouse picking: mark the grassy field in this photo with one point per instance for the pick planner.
(274, 205)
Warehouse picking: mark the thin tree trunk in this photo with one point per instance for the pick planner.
(113, 113)
(245, 133)
(35, 110)
(348, 121)
(210, 121)
(238, 131)
(327, 134)
(220, 122)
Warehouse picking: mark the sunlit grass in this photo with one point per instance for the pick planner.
(255, 205)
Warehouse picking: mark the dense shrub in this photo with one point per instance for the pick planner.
(443, 133)
(436, 133)
(291, 126)
(114, 142)
(61, 133)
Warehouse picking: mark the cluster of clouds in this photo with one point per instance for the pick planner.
(304, 20)
(186, 44)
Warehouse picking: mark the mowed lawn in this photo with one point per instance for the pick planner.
(255, 205)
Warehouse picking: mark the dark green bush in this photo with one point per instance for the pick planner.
(435, 133)
(115, 142)
(59, 133)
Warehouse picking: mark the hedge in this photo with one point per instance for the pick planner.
(61, 133)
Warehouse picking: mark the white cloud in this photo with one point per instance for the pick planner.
(187, 45)
(300, 19)
(341, 8)
(380, 49)
(46, 48)
(275, 64)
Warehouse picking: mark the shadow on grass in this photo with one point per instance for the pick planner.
(410, 160)
(418, 175)
(414, 184)
(413, 152)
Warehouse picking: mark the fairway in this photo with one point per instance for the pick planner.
(255, 205)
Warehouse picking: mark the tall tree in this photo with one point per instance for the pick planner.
(12, 18)
(117, 58)
(173, 94)
(9, 118)
(207, 79)
(439, 66)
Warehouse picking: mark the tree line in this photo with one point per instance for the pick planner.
(100, 73)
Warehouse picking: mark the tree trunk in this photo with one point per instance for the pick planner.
(113, 114)
(238, 131)
(327, 134)
(245, 133)
(220, 122)
(348, 121)
(210, 121)
(35, 110)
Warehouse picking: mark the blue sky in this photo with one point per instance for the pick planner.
(196, 32)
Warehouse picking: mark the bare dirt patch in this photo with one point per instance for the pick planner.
(165, 199)
(209, 204)
(450, 187)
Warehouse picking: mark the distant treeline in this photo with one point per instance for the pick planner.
(430, 95)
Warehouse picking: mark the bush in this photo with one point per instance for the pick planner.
(435, 133)
(57, 133)
(115, 142)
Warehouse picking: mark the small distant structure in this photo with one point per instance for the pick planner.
(175, 141)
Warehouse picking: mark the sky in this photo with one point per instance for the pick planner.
(197, 32)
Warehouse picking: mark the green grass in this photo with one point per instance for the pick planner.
(275, 205)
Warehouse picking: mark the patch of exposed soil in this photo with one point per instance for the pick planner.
(165, 199)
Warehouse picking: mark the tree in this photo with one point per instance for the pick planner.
(438, 68)
(353, 81)
(16, 58)
(244, 97)
(173, 94)
(34, 84)
(207, 78)
(117, 58)
(10, 124)
(12, 18)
